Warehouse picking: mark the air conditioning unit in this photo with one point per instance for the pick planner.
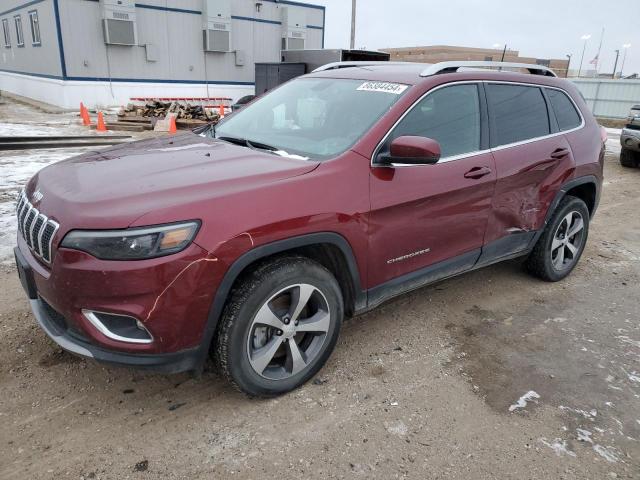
(294, 28)
(119, 22)
(216, 25)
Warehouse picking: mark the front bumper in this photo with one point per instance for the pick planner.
(56, 328)
(630, 139)
(171, 296)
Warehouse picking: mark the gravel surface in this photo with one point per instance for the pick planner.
(492, 374)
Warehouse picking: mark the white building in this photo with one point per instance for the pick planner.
(104, 52)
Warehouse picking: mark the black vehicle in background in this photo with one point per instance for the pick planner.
(630, 139)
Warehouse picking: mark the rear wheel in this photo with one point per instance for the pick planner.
(628, 158)
(280, 326)
(559, 248)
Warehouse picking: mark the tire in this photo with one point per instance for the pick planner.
(544, 261)
(628, 158)
(263, 317)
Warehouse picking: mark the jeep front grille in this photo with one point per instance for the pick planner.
(36, 229)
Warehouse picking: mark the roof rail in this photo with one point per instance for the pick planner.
(449, 67)
(336, 65)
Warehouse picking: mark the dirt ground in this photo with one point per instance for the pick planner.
(491, 374)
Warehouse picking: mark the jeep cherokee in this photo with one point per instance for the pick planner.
(252, 240)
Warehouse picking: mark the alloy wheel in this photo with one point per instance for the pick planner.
(567, 241)
(288, 331)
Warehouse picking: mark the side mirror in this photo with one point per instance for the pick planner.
(411, 150)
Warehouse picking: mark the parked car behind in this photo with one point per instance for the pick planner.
(322, 199)
(630, 139)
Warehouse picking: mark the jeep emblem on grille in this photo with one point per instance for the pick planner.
(37, 196)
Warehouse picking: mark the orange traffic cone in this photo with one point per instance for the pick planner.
(101, 126)
(221, 111)
(84, 114)
(172, 124)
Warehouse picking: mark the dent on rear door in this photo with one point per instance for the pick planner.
(528, 180)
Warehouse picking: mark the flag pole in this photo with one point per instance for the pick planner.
(599, 50)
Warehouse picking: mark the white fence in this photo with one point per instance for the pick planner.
(609, 98)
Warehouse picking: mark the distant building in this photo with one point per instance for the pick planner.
(443, 53)
(103, 52)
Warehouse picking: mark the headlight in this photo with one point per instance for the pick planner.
(133, 243)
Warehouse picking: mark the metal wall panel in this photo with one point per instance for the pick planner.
(609, 98)
(177, 35)
(41, 60)
(173, 27)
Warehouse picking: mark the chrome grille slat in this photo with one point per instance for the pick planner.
(36, 229)
(23, 214)
(31, 216)
(35, 233)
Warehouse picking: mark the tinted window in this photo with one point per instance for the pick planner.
(19, 38)
(517, 113)
(5, 30)
(450, 115)
(35, 27)
(564, 109)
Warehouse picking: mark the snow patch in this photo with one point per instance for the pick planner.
(530, 396)
(608, 453)
(397, 428)
(559, 446)
(591, 414)
(584, 435)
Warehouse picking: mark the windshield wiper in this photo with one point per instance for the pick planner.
(248, 143)
(243, 142)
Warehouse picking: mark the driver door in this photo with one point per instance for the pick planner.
(429, 221)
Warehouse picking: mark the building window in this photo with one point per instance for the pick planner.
(35, 27)
(5, 30)
(19, 37)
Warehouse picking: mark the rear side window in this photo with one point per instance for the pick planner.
(449, 115)
(564, 109)
(517, 113)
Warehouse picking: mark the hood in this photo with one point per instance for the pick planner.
(113, 187)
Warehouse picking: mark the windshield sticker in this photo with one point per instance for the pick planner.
(386, 87)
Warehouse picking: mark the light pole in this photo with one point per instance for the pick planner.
(624, 57)
(353, 24)
(569, 55)
(585, 37)
(615, 65)
(504, 49)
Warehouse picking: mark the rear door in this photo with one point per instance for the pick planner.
(428, 215)
(533, 159)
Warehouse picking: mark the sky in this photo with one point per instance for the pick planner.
(540, 28)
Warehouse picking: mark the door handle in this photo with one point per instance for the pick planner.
(477, 172)
(559, 153)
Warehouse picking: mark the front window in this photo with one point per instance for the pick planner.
(315, 118)
(449, 115)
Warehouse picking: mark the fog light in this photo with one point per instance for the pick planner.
(121, 328)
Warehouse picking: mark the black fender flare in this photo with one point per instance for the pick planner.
(266, 250)
(560, 195)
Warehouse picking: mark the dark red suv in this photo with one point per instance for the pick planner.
(252, 240)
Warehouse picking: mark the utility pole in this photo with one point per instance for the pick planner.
(624, 58)
(569, 55)
(504, 51)
(353, 24)
(584, 47)
(615, 65)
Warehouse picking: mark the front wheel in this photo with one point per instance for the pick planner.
(279, 326)
(562, 242)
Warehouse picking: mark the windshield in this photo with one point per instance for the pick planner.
(312, 117)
